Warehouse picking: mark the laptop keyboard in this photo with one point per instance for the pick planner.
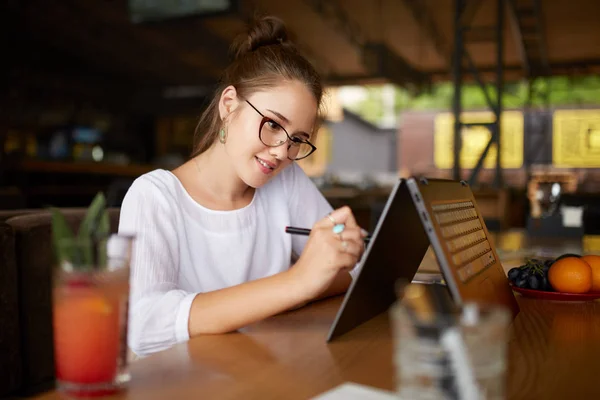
(465, 238)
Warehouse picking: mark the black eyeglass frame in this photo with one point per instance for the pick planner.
(289, 140)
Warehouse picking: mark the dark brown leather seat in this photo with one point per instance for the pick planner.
(7, 214)
(34, 261)
(10, 344)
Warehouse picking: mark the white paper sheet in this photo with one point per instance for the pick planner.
(354, 391)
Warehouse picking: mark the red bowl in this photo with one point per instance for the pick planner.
(542, 294)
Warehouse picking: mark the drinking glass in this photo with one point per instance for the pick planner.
(90, 302)
(426, 368)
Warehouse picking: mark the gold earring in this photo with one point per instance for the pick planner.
(222, 135)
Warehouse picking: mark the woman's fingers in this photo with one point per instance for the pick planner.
(342, 216)
(330, 220)
(350, 247)
(348, 243)
(338, 239)
(354, 234)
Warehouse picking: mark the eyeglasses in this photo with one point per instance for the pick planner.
(272, 134)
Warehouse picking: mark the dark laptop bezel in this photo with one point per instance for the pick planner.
(396, 249)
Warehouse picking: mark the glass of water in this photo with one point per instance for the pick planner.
(452, 356)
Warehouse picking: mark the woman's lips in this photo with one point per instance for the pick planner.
(265, 166)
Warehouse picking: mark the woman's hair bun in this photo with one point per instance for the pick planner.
(263, 31)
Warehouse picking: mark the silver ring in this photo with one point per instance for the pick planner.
(344, 246)
(331, 219)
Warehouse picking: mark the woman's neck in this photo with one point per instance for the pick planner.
(212, 183)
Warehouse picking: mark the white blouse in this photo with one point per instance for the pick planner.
(182, 248)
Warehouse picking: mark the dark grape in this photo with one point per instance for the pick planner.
(546, 268)
(526, 274)
(521, 282)
(545, 284)
(534, 282)
(548, 263)
(514, 273)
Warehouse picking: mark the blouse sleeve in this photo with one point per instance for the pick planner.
(159, 309)
(307, 205)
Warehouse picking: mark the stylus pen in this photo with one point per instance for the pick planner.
(303, 231)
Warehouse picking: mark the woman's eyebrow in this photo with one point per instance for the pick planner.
(284, 119)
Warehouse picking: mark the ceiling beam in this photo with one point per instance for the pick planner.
(526, 25)
(518, 35)
(471, 8)
(378, 59)
(422, 15)
(341, 80)
(576, 67)
(247, 11)
(333, 12)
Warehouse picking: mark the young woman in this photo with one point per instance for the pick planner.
(211, 253)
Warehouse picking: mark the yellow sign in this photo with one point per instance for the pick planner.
(476, 138)
(316, 163)
(576, 138)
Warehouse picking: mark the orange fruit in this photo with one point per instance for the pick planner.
(594, 262)
(570, 275)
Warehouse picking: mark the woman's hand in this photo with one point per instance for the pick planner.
(327, 253)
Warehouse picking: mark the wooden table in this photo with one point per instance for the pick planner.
(554, 353)
(554, 350)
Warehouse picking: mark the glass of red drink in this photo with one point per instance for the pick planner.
(90, 302)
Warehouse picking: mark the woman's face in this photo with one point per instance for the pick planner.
(289, 105)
